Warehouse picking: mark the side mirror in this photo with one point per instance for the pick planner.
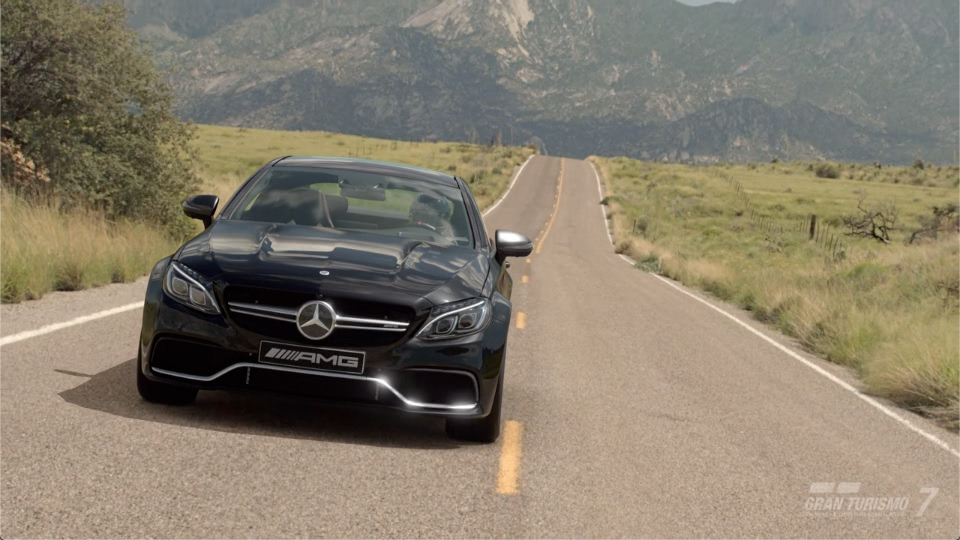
(511, 244)
(201, 207)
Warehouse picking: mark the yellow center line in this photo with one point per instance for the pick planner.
(553, 216)
(509, 472)
(524, 279)
(521, 320)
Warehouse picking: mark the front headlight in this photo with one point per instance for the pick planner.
(189, 288)
(457, 319)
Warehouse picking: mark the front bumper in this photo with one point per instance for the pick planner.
(453, 378)
(453, 405)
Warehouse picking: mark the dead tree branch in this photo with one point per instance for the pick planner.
(874, 222)
(943, 219)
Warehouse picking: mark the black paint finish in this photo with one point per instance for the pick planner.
(359, 273)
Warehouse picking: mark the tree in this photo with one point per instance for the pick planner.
(943, 218)
(82, 100)
(874, 222)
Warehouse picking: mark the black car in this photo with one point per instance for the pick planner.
(338, 279)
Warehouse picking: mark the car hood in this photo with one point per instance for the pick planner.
(358, 265)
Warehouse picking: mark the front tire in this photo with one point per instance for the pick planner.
(158, 392)
(482, 430)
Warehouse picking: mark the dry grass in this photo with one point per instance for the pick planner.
(888, 311)
(43, 248)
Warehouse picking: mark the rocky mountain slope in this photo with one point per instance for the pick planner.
(842, 79)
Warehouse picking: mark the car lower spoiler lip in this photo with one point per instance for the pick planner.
(383, 383)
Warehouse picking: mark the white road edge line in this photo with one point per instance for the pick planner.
(113, 311)
(843, 384)
(7, 340)
(603, 213)
(830, 376)
(512, 182)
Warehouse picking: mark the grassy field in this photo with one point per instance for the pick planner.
(43, 248)
(890, 311)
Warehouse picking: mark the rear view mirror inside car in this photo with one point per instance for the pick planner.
(374, 193)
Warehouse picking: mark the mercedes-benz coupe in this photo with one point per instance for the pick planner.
(338, 279)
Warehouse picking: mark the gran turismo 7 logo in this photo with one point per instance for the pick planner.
(845, 499)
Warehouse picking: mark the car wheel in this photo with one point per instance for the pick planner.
(158, 392)
(484, 430)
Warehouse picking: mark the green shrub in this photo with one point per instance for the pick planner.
(640, 225)
(826, 170)
(82, 100)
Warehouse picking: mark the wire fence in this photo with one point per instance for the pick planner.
(823, 235)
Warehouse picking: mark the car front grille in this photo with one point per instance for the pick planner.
(273, 313)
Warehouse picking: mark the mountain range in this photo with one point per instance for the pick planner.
(860, 80)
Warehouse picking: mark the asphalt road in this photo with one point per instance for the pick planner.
(635, 410)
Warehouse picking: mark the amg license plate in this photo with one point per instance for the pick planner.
(286, 354)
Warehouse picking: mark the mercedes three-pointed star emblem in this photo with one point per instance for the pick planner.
(316, 319)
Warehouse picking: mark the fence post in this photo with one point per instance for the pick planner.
(813, 225)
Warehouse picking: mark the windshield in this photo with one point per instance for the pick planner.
(358, 201)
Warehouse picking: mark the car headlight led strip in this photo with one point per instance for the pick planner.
(456, 319)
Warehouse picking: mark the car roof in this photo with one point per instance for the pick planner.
(385, 168)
